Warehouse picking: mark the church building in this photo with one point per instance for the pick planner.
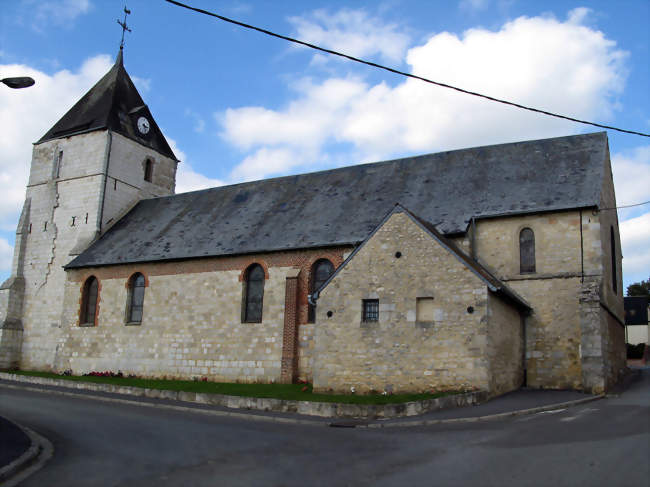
(486, 268)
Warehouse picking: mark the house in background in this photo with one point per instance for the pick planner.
(481, 268)
(637, 326)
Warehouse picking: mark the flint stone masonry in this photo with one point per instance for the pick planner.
(459, 349)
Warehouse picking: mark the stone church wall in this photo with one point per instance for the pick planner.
(446, 350)
(192, 320)
(553, 329)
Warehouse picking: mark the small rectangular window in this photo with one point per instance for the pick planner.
(424, 309)
(370, 310)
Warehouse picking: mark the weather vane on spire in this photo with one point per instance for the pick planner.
(124, 26)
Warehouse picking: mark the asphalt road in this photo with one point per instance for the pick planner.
(606, 443)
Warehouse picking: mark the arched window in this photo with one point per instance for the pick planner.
(613, 250)
(253, 294)
(135, 298)
(320, 272)
(526, 251)
(148, 170)
(89, 302)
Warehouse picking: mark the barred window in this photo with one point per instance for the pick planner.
(526, 251)
(320, 272)
(253, 294)
(135, 298)
(370, 310)
(89, 302)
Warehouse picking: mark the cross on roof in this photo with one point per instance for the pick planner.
(124, 26)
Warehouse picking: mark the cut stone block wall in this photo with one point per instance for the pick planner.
(192, 321)
(398, 353)
(505, 346)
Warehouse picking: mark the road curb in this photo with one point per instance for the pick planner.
(518, 412)
(365, 412)
(38, 453)
(251, 416)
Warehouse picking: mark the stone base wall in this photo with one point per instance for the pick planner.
(306, 352)
(553, 332)
(616, 351)
(11, 342)
(505, 346)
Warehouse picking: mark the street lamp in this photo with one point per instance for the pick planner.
(19, 82)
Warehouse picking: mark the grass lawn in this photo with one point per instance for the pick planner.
(277, 391)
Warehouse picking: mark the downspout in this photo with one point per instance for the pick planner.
(582, 253)
(102, 190)
(523, 333)
(473, 239)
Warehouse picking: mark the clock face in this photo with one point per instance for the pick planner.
(143, 125)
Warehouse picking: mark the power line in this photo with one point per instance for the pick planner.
(402, 73)
(624, 206)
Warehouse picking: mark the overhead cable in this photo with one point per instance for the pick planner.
(402, 73)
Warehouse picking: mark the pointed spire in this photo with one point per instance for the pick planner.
(119, 59)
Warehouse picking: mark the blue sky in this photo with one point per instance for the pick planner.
(237, 105)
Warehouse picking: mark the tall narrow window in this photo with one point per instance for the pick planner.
(254, 294)
(57, 164)
(613, 250)
(526, 251)
(148, 170)
(135, 298)
(320, 272)
(89, 302)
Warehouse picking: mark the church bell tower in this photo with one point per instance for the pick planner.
(103, 156)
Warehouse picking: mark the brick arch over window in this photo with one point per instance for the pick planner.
(89, 302)
(261, 263)
(321, 270)
(135, 285)
(527, 251)
(253, 298)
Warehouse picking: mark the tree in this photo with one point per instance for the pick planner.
(639, 288)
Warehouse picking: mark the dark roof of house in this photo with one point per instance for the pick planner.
(114, 104)
(479, 269)
(342, 206)
(636, 310)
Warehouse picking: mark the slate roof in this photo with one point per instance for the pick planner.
(114, 104)
(342, 206)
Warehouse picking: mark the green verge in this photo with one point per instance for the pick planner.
(277, 391)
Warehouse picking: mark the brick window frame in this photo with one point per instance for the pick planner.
(252, 309)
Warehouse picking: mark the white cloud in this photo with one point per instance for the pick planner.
(635, 241)
(187, 179)
(551, 64)
(353, 32)
(57, 12)
(25, 115)
(631, 171)
(6, 255)
(473, 5)
(142, 84)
